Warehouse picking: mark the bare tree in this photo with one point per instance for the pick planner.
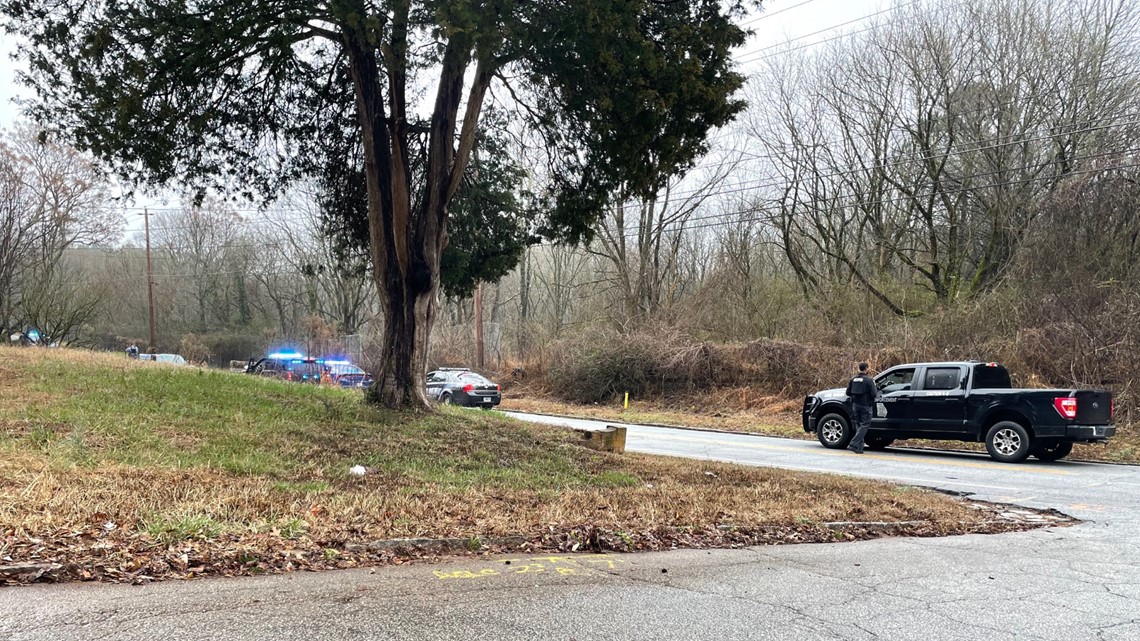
(337, 282)
(51, 199)
(197, 245)
(920, 150)
(641, 240)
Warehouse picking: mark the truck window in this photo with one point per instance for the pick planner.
(991, 377)
(942, 378)
(895, 380)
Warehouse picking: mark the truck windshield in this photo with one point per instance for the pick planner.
(991, 377)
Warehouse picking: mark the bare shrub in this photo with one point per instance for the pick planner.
(667, 363)
(194, 348)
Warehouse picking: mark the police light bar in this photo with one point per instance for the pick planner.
(286, 355)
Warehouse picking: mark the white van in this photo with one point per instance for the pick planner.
(173, 359)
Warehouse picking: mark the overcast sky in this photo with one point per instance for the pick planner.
(801, 21)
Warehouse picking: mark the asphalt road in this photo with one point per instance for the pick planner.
(1080, 582)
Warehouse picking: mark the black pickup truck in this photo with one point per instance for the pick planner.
(967, 401)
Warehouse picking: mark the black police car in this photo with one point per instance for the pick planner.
(461, 386)
(287, 366)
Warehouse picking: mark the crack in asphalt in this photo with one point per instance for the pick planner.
(798, 613)
(1102, 630)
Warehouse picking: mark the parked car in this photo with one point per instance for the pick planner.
(967, 401)
(461, 386)
(287, 366)
(345, 374)
(173, 359)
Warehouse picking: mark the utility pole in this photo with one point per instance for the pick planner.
(149, 282)
(479, 326)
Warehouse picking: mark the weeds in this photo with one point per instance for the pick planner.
(293, 529)
(168, 530)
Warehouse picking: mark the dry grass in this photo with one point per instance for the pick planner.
(773, 418)
(40, 498)
(122, 470)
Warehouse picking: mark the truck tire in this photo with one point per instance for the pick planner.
(878, 442)
(834, 431)
(1008, 442)
(1052, 451)
(445, 398)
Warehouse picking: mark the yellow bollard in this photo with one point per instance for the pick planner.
(627, 400)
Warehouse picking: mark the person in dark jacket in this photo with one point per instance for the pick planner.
(862, 394)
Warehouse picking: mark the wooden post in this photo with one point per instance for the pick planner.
(149, 283)
(479, 326)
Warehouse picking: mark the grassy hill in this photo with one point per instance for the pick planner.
(121, 470)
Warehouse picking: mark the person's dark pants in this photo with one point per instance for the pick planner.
(862, 424)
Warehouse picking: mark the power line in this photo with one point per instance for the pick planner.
(920, 157)
(734, 219)
(776, 183)
(749, 57)
(765, 16)
(739, 221)
(721, 219)
(743, 186)
(957, 114)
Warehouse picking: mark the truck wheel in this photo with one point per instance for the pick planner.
(1054, 451)
(1008, 442)
(834, 431)
(878, 442)
(445, 398)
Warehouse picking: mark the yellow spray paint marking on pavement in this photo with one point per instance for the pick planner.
(465, 574)
(825, 452)
(546, 565)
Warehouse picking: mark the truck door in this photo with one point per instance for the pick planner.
(893, 411)
(939, 404)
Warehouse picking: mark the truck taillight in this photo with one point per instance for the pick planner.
(1066, 406)
(498, 389)
(468, 388)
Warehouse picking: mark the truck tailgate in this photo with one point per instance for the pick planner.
(1094, 407)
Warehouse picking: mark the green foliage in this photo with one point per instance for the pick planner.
(293, 529)
(168, 530)
(490, 219)
(240, 97)
(627, 93)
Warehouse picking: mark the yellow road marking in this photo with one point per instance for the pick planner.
(882, 457)
(562, 565)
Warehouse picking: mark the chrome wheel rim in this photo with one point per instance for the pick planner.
(832, 431)
(1007, 442)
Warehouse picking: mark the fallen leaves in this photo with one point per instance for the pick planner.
(121, 556)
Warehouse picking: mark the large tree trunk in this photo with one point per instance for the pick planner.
(409, 306)
(408, 240)
(405, 265)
